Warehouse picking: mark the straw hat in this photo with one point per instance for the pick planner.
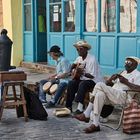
(82, 43)
(62, 112)
(134, 58)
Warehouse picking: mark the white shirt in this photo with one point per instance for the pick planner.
(91, 67)
(133, 77)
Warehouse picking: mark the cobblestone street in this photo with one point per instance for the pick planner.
(64, 128)
(54, 128)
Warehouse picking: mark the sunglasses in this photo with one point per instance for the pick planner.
(128, 62)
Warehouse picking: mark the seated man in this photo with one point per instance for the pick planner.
(61, 77)
(86, 74)
(104, 94)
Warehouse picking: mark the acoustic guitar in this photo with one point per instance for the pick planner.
(77, 72)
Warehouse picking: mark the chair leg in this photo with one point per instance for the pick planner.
(24, 103)
(5, 91)
(119, 124)
(15, 96)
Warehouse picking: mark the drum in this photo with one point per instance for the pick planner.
(47, 86)
(53, 88)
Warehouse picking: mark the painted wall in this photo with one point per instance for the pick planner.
(12, 21)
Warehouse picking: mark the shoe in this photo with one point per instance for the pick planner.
(50, 105)
(77, 112)
(81, 117)
(92, 129)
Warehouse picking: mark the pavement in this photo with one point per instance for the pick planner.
(55, 128)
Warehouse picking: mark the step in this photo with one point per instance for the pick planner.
(41, 67)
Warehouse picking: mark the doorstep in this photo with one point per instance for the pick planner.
(41, 67)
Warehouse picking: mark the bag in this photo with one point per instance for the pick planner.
(35, 109)
(131, 118)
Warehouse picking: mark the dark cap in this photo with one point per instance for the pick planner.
(54, 49)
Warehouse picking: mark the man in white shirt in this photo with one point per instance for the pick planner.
(88, 72)
(105, 94)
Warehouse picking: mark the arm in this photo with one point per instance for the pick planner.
(130, 85)
(109, 82)
(52, 76)
(63, 75)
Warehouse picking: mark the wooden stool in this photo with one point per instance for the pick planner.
(14, 100)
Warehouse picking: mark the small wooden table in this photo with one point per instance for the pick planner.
(13, 79)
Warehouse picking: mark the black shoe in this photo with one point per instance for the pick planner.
(77, 112)
(50, 105)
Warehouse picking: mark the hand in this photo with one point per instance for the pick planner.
(114, 77)
(80, 71)
(123, 79)
(52, 77)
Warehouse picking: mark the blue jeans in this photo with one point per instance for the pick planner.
(61, 87)
(42, 94)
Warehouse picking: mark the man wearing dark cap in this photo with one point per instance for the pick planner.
(113, 92)
(87, 69)
(61, 76)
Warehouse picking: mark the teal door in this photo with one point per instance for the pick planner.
(63, 26)
(41, 31)
(34, 31)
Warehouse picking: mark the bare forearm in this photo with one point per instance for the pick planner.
(133, 86)
(63, 75)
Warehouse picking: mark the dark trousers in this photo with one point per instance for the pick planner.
(79, 87)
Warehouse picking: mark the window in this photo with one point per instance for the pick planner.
(55, 16)
(27, 15)
(108, 16)
(91, 15)
(128, 15)
(52, 1)
(27, 1)
(69, 15)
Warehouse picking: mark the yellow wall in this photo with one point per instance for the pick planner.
(12, 20)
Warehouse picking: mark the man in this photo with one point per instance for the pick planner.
(88, 71)
(61, 76)
(104, 94)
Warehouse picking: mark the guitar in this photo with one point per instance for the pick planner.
(77, 72)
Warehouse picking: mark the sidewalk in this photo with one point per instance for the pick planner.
(66, 128)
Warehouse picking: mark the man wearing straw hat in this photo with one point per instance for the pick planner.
(61, 76)
(113, 92)
(89, 74)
